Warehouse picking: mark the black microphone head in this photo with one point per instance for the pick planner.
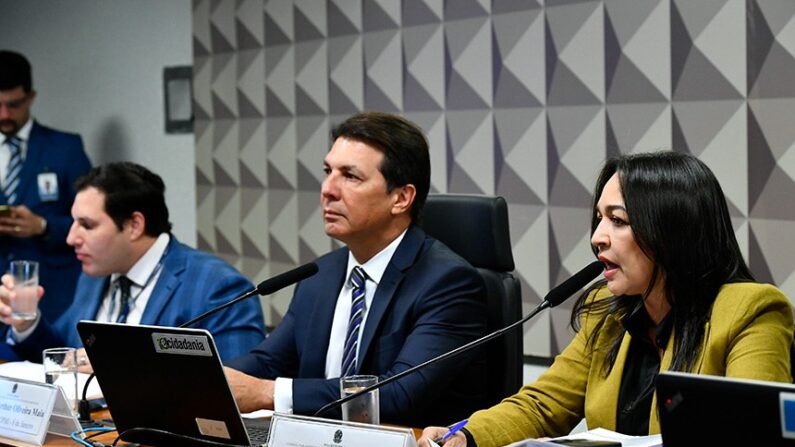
(287, 278)
(570, 286)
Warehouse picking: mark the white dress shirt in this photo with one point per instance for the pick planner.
(5, 149)
(374, 268)
(141, 272)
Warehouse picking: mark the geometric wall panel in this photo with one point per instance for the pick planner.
(519, 98)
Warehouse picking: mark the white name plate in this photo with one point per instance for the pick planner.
(289, 430)
(28, 410)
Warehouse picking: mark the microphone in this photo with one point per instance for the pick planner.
(555, 296)
(266, 287)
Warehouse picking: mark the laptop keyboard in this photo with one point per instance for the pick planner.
(257, 430)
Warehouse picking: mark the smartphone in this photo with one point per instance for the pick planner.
(5, 211)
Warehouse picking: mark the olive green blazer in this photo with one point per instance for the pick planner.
(748, 335)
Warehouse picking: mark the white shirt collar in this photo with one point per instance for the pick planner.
(24, 132)
(376, 266)
(24, 135)
(140, 272)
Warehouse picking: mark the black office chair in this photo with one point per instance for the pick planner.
(476, 227)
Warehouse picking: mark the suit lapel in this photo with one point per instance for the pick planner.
(27, 176)
(94, 291)
(173, 266)
(602, 394)
(313, 359)
(665, 365)
(402, 260)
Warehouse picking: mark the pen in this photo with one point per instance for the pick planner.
(450, 432)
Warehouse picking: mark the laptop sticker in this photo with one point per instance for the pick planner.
(210, 427)
(181, 344)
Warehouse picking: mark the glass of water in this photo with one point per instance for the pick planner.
(60, 368)
(26, 285)
(365, 408)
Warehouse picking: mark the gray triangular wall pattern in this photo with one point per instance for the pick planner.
(338, 23)
(274, 34)
(304, 28)
(547, 122)
(417, 12)
(376, 19)
(464, 9)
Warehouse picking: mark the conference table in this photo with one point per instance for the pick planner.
(107, 438)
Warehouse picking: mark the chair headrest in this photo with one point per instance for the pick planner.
(474, 226)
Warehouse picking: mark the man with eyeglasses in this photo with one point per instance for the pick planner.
(38, 168)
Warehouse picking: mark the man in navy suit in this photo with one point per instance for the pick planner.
(420, 299)
(135, 271)
(40, 183)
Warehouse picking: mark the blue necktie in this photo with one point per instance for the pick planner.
(357, 281)
(14, 167)
(123, 284)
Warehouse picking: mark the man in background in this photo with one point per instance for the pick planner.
(38, 167)
(136, 272)
(390, 299)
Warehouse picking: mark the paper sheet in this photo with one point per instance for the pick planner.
(35, 372)
(259, 414)
(602, 434)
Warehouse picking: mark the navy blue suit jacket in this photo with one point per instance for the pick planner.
(428, 302)
(190, 283)
(60, 153)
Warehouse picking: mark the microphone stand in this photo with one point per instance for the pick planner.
(553, 298)
(323, 410)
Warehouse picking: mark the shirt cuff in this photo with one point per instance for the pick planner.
(283, 395)
(18, 337)
(470, 440)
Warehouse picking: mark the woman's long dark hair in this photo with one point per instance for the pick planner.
(680, 220)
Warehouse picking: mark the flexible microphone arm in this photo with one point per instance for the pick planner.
(552, 299)
(266, 287)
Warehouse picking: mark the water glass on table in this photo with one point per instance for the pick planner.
(364, 408)
(26, 283)
(60, 368)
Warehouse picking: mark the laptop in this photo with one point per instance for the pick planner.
(711, 410)
(160, 381)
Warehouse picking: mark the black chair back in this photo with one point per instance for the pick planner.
(476, 228)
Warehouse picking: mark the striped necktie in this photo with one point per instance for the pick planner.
(14, 167)
(357, 281)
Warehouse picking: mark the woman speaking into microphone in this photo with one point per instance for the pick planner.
(676, 295)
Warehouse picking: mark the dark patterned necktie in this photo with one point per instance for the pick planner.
(123, 284)
(14, 167)
(357, 281)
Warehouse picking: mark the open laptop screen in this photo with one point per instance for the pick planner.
(711, 410)
(163, 378)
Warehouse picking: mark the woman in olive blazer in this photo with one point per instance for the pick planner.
(677, 295)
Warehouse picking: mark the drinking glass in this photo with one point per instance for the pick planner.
(364, 408)
(26, 284)
(60, 368)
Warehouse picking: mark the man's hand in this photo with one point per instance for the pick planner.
(251, 393)
(83, 364)
(7, 296)
(22, 223)
(457, 440)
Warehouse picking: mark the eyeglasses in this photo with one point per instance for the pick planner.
(15, 103)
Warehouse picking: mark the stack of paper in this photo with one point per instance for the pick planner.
(35, 372)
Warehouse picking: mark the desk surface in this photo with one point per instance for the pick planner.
(107, 438)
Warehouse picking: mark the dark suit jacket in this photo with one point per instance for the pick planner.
(190, 283)
(61, 153)
(428, 302)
